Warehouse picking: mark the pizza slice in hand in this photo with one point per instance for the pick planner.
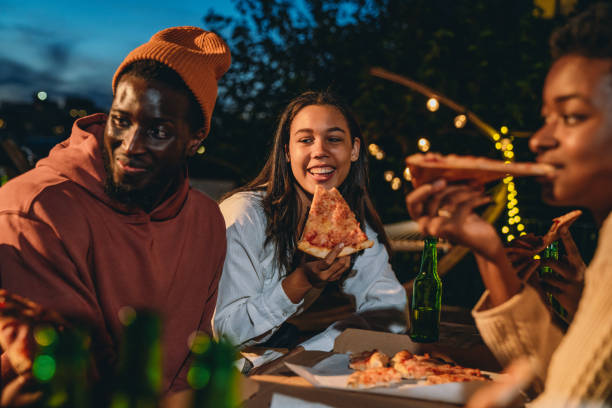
(331, 222)
(425, 168)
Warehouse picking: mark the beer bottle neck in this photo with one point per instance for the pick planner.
(429, 259)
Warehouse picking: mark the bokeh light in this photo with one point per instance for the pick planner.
(43, 367)
(460, 121)
(198, 342)
(198, 376)
(423, 144)
(407, 175)
(396, 183)
(127, 314)
(45, 335)
(433, 104)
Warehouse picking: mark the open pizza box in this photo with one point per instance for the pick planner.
(297, 374)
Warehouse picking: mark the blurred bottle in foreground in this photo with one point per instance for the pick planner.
(552, 252)
(212, 374)
(139, 371)
(61, 366)
(426, 297)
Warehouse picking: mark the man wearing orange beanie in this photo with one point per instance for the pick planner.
(108, 220)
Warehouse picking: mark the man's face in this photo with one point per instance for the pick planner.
(321, 148)
(576, 137)
(147, 138)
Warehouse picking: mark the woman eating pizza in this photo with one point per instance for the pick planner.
(266, 279)
(576, 139)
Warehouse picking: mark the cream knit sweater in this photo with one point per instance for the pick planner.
(576, 368)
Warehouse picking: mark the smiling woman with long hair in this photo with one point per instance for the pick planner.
(265, 279)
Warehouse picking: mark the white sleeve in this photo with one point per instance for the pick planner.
(248, 312)
(380, 299)
(521, 326)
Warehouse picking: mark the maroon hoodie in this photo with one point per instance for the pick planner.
(66, 245)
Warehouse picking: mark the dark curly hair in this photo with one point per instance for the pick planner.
(588, 34)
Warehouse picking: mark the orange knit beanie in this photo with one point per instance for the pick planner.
(199, 57)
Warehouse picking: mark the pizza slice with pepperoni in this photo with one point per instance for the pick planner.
(331, 222)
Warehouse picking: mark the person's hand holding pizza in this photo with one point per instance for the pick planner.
(568, 282)
(447, 211)
(321, 271)
(315, 274)
(571, 267)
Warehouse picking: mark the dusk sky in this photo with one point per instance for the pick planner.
(73, 47)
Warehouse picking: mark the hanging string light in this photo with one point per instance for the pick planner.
(460, 121)
(502, 140)
(513, 225)
(376, 151)
(433, 104)
(407, 175)
(396, 183)
(423, 144)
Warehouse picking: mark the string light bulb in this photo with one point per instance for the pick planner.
(423, 144)
(407, 174)
(433, 104)
(388, 175)
(396, 183)
(513, 222)
(460, 121)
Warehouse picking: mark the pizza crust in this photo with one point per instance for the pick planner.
(425, 168)
(320, 252)
(368, 359)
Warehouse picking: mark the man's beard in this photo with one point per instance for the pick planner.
(144, 198)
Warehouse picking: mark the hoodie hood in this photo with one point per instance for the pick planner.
(79, 159)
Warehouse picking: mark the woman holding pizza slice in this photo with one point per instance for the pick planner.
(266, 279)
(574, 368)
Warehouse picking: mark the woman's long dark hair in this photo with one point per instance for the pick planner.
(281, 203)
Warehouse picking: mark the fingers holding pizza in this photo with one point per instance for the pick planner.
(448, 211)
(329, 269)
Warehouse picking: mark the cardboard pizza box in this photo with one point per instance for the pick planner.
(278, 379)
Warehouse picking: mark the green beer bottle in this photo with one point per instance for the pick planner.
(61, 366)
(138, 379)
(426, 297)
(212, 374)
(552, 252)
